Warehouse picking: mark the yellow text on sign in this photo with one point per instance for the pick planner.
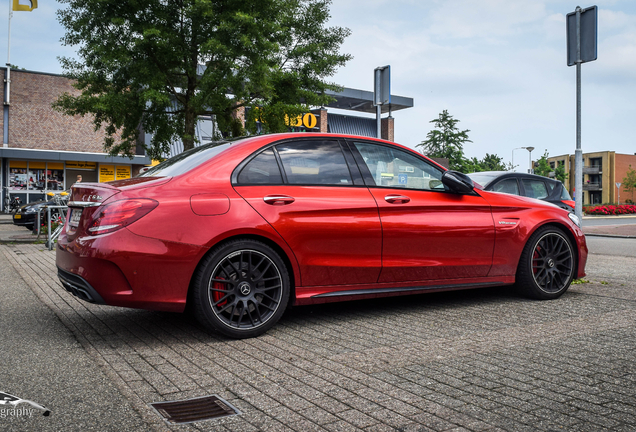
(308, 120)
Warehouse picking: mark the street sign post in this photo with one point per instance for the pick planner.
(581, 28)
(381, 93)
(618, 186)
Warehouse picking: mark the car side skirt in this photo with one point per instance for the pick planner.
(314, 295)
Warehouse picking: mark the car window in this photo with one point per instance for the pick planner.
(509, 186)
(263, 169)
(535, 188)
(551, 185)
(314, 162)
(396, 168)
(187, 160)
(565, 195)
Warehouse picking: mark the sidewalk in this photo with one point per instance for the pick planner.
(476, 360)
(10, 233)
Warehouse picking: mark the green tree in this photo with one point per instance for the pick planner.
(542, 166)
(447, 141)
(492, 162)
(559, 172)
(629, 182)
(161, 64)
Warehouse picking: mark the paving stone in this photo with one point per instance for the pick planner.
(482, 360)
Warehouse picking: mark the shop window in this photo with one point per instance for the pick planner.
(36, 176)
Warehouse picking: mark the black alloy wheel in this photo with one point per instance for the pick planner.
(547, 264)
(242, 289)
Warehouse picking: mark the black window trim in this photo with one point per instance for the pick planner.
(248, 159)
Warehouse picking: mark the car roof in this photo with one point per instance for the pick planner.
(496, 175)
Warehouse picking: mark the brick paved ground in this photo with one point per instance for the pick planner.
(473, 360)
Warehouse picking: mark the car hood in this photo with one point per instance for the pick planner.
(32, 204)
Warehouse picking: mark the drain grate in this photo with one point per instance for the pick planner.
(193, 410)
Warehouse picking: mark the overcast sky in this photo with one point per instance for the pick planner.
(499, 66)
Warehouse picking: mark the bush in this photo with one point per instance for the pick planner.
(605, 210)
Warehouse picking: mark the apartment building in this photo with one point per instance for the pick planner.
(601, 172)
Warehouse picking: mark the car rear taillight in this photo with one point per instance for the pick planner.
(568, 202)
(119, 214)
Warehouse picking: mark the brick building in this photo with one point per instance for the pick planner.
(46, 150)
(601, 172)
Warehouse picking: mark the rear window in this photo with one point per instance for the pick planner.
(564, 194)
(186, 161)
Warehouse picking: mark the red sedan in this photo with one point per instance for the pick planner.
(241, 229)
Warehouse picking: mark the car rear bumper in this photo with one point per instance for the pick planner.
(124, 269)
(79, 287)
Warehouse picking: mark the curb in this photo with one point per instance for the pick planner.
(610, 235)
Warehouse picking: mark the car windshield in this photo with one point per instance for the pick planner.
(187, 160)
(483, 178)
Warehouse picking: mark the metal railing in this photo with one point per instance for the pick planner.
(59, 207)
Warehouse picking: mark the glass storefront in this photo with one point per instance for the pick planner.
(31, 180)
(36, 176)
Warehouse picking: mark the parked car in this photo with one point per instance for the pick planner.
(529, 185)
(239, 230)
(26, 215)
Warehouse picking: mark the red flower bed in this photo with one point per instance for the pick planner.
(610, 209)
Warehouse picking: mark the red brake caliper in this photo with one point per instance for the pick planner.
(216, 295)
(535, 258)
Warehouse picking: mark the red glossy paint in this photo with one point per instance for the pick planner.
(334, 232)
(355, 240)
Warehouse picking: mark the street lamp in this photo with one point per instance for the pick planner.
(530, 170)
(529, 154)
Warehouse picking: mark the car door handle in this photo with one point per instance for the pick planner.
(397, 199)
(278, 200)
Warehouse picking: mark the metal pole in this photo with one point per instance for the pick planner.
(10, 16)
(530, 161)
(48, 233)
(7, 85)
(378, 107)
(578, 155)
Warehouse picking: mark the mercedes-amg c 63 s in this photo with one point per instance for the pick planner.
(240, 230)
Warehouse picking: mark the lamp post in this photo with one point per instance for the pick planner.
(530, 155)
(530, 170)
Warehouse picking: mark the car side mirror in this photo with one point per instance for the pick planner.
(458, 182)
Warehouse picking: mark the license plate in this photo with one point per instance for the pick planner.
(17, 216)
(76, 215)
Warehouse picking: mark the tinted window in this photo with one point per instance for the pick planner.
(263, 169)
(565, 194)
(396, 168)
(535, 188)
(187, 160)
(509, 186)
(314, 162)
